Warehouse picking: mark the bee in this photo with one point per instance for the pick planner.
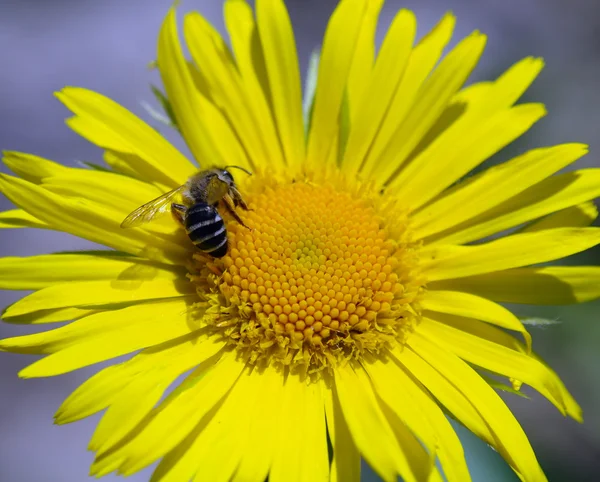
(198, 214)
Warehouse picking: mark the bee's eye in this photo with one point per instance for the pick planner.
(227, 175)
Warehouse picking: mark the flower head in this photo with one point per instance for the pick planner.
(352, 295)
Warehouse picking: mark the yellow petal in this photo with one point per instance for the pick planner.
(93, 395)
(212, 56)
(36, 272)
(301, 452)
(32, 168)
(111, 126)
(339, 44)
(281, 61)
(345, 465)
(446, 394)
(52, 316)
(88, 220)
(548, 285)
(204, 128)
(548, 196)
(422, 463)
(422, 60)
(492, 187)
(387, 74)
(250, 61)
(496, 414)
(497, 352)
(448, 447)
(382, 375)
(102, 336)
(429, 103)
(103, 292)
(582, 215)
(217, 449)
(463, 146)
(471, 306)
(177, 417)
(368, 425)
(17, 218)
(148, 375)
(363, 60)
(99, 391)
(264, 423)
(509, 252)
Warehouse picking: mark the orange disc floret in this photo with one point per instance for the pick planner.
(317, 279)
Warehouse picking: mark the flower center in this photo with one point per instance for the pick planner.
(321, 276)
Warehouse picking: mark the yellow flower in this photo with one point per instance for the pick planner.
(359, 304)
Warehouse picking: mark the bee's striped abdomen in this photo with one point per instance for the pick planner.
(206, 229)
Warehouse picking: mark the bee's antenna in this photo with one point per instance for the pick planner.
(240, 168)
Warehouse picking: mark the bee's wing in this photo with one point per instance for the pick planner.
(151, 209)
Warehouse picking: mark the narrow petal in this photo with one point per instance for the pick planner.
(281, 61)
(217, 450)
(265, 421)
(579, 216)
(496, 414)
(363, 60)
(429, 103)
(103, 292)
(99, 391)
(175, 418)
(345, 465)
(492, 187)
(30, 167)
(145, 387)
(204, 128)
(547, 285)
(36, 272)
(509, 252)
(369, 427)
(301, 455)
(17, 218)
(421, 462)
(383, 83)
(465, 145)
(88, 220)
(548, 196)
(392, 378)
(212, 56)
(401, 403)
(110, 126)
(339, 44)
(52, 316)
(485, 98)
(499, 354)
(422, 60)
(246, 44)
(102, 336)
(471, 306)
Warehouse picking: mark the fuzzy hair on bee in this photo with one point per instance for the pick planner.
(201, 196)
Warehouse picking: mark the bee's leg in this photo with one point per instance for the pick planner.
(238, 200)
(229, 205)
(178, 211)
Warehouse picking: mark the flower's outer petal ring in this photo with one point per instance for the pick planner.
(446, 262)
(110, 126)
(544, 285)
(37, 272)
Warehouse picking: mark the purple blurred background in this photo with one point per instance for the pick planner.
(106, 46)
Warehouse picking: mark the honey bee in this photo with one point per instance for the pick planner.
(198, 214)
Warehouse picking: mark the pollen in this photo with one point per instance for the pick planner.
(322, 274)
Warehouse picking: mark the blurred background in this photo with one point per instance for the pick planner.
(106, 46)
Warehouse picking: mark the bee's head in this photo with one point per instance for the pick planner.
(225, 176)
